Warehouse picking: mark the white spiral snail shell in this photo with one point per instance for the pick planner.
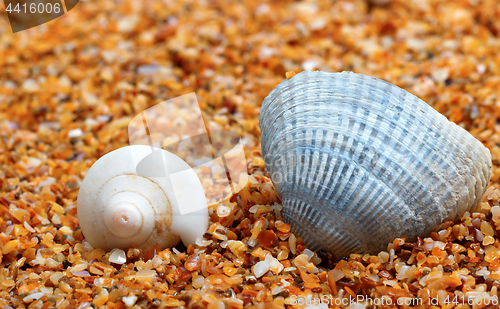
(358, 161)
(119, 207)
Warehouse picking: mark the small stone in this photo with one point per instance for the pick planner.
(103, 118)
(127, 23)
(488, 240)
(440, 75)
(495, 213)
(260, 269)
(82, 273)
(193, 263)
(75, 133)
(223, 211)
(309, 254)
(474, 112)
(145, 275)
(31, 164)
(118, 256)
(129, 301)
(34, 296)
(198, 282)
(310, 65)
(148, 69)
(55, 278)
(487, 229)
(30, 85)
(276, 290)
(66, 264)
(107, 74)
(335, 274)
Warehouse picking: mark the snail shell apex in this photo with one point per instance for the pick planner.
(119, 208)
(358, 161)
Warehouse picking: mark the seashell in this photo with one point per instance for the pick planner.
(358, 162)
(126, 201)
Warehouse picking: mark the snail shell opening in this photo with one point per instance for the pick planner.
(358, 161)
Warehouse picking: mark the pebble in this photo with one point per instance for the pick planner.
(103, 118)
(9, 84)
(145, 275)
(129, 301)
(310, 65)
(223, 211)
(34, 296)
(82, 273)
(260, 269)
(198, 282)
(75, 133)
(118, 256)
(128, 23)
(148, 69)
(55, 278)
(474, 112)
(309, 254)
(30, 86)
(47, 182)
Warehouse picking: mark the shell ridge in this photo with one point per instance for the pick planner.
(296, 214)
(346, 184)
(425, 176)
(419, 103)
(392, 126)
(469, 148)
(294, 208)
(437, 149)
(412, 186)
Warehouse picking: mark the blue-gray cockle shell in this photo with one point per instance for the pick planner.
(358, 161)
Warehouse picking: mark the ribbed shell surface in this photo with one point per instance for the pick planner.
(358, 161)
